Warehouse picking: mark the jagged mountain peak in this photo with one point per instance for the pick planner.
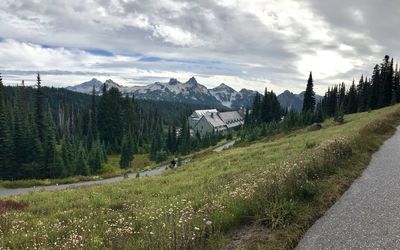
(173, 81)
(111, 83)
(223, 86)
(286, 92)
(173, 90)
(247, 91)
(192, 81)
(93, 82)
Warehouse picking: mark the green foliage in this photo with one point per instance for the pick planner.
(309, 96)
(279, 213)
(109, 119)
(383, 89)
(265, 109)
(46, 129)
(96, 157)
(339, 116)
(81, 164)
(127, 151)
(6, 153)
(160, 156)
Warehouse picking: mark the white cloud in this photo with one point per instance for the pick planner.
(253, 44)
(326, 64)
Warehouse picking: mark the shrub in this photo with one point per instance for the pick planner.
(310, 144)
(8, 205)
(160, 156)
(279, 213)
(339, 117)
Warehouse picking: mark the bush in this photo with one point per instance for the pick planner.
(160, 156)
(339, 117)
(279, 213)
(229, 136)
(310, 144)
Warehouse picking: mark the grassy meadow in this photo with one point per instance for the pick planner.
(110, 169)
(279, 184)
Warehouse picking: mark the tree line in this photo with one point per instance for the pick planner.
(381, 90)
(56, 133)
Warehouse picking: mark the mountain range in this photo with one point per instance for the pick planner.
(192, 92)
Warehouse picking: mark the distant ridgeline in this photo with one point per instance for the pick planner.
(222, 97)
(55, 133)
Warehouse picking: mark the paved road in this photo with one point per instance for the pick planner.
(225, 146)
(367, 216)
(157, 171)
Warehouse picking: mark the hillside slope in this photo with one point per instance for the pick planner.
(198, 204)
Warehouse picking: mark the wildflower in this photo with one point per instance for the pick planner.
(208, 222)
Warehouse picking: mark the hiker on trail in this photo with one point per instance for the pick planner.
(173, 164)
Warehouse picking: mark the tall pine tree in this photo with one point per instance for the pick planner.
(6, 148)
(309, 96)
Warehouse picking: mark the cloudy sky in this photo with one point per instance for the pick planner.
(245, 44)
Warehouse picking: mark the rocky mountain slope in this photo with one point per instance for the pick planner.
(193, 92)
(174, 90)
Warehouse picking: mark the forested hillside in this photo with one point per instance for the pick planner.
(54, 133)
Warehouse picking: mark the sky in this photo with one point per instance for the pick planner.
(246, 44)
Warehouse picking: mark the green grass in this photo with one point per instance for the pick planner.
(110, 169)
(141, 162)
(281, 183)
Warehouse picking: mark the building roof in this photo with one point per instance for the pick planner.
(231, 119)
(200, 113)
(230, 116)
(214, 119)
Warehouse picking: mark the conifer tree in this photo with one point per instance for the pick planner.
(184, 138)
(276, 109)
(67, 156)
(375, 88)
(351, 105)
(96, 157)
(110, 119)
(81, 164)
(39, 112)
(6, 148)
(256, 111)
(92, 123)
(342, 95)
(387, 81)
(49, 166)
(396, 84)
(173, 139)
(266, 109)
(22, 130)
(309, 96)
(363, 94)
(127, 151)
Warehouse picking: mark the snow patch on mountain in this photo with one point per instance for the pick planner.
(174, 90)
